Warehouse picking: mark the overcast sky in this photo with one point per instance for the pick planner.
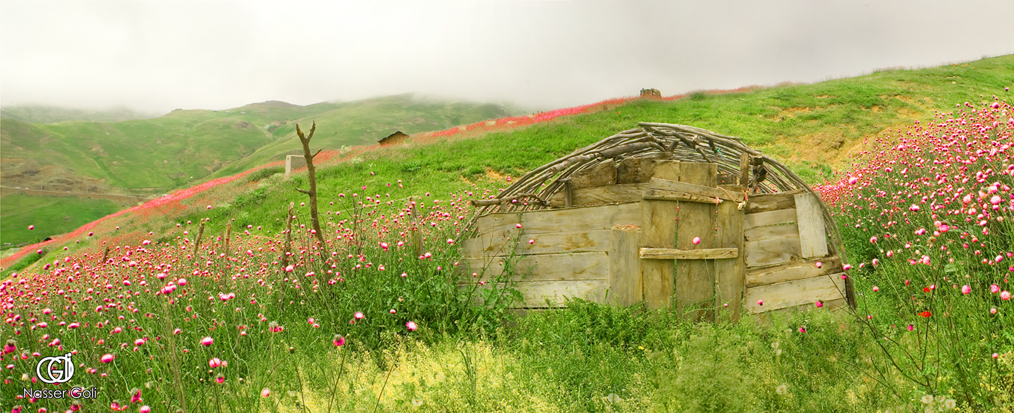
(160, 55)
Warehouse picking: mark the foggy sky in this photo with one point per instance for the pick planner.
(156, 56)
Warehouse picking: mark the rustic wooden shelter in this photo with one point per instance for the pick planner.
(665, 214)
(651, 93)
(397, 137)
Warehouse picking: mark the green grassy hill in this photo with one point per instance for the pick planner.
(176, 150)
(52, 114)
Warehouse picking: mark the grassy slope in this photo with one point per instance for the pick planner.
(51, 114)
(60, 215)
(853, 108)
(186, 146)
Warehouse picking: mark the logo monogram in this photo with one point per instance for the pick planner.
(60, 373)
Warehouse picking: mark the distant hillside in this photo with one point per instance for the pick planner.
(53, 114)
(150, 157)
(185, 146)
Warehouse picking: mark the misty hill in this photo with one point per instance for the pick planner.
(53, 114)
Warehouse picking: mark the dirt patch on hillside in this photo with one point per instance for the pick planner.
(27, 173)
(493, 175)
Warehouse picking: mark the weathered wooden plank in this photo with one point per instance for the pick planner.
(771, 231)
(549, 243)
(695, 282)
(810, 218)
(771, 252)
(535, 294)
(563, 220)
(624, 266)
(663, 195)
(635, 170)
(793, 271)
(666, 170)
(675, 254)
(730, 274)
(545, 267)
(497, 222)
(601, 174)
(658, 230)
(601, 195)
(793, 293)
(772, 202)
(781, 216)
(703, 191)
(744, 169)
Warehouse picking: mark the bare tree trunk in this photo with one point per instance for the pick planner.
(311, 171)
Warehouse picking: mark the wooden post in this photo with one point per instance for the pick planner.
(568, 194)
(658, 223)
(730, 273)
(625, 266)
(694, 284)
(744, 169)
(810, 219)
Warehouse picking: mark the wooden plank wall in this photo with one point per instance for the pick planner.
(659, 232)
(695, 278)
(577, 253)
(784, 240)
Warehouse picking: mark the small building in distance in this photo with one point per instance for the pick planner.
(651, 93)
(394, 138)
(293, 163)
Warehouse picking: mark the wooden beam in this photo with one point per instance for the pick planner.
(624, 266)
(703, 191)
(695, 281)
(603, 173)
(810, 218)
(545, 267)
(663, 195)
(793, 271)
(635, 170)
(730, 275)
(744, 169)
(797, 292)
(600, 195)
(781, 216)
(675, 254)
(550, 294)
(559, 220)
(658, 230)
(545, 243)
(772, 202)
(771, 252)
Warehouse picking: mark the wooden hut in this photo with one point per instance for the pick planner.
(651, 93)
(397, 137)
(665, 214)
